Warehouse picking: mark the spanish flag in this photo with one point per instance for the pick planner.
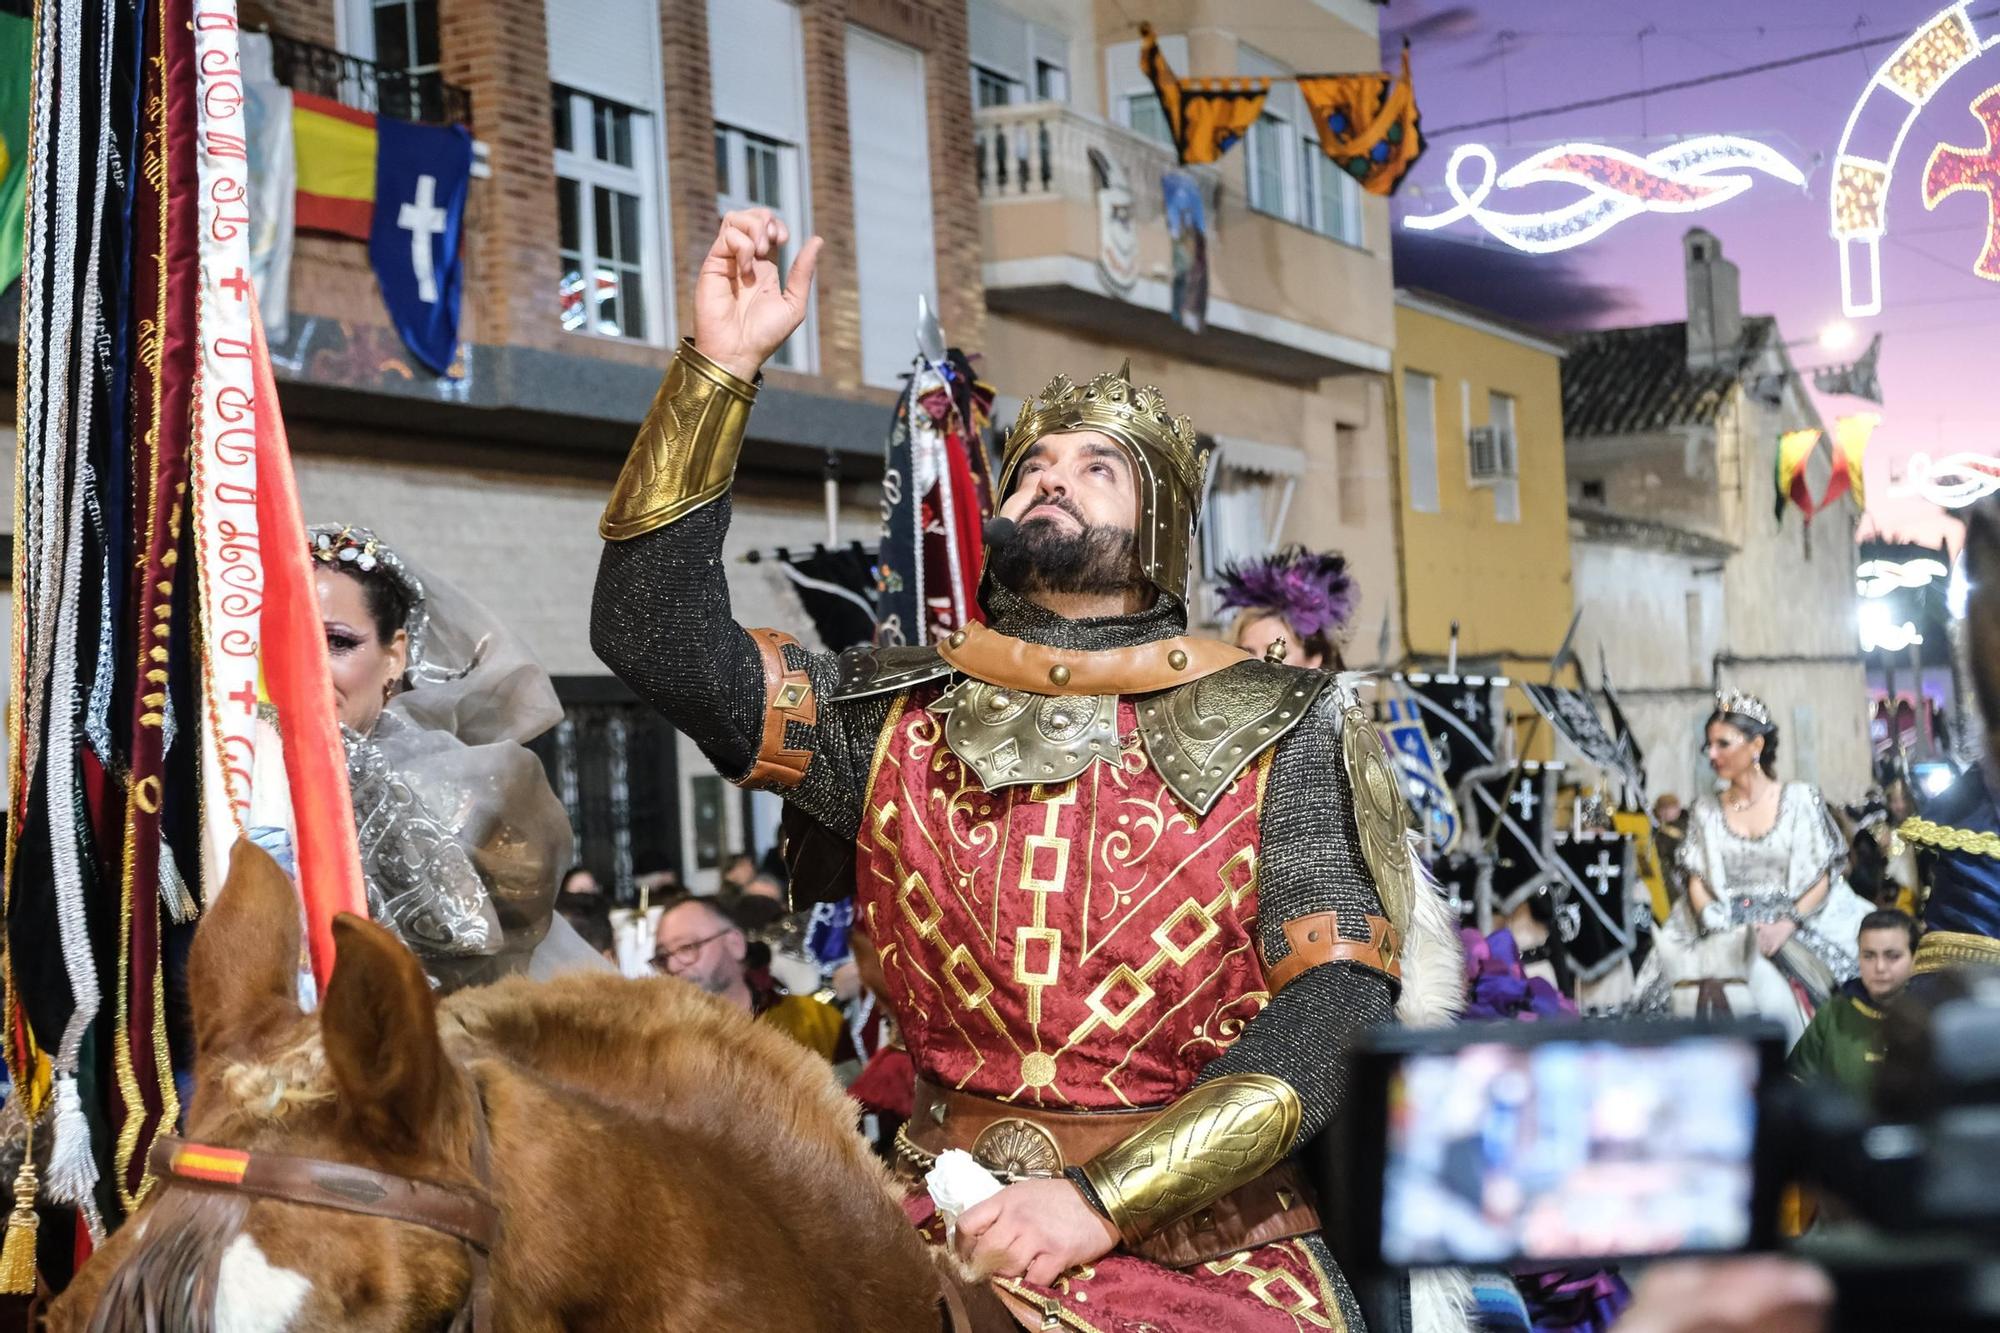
(1795, 450)
(1206, 116)
(335, 148)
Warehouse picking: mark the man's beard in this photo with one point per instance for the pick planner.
(1043, 557)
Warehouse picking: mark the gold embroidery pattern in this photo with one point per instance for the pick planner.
(1087, 877)
(1282, 1291)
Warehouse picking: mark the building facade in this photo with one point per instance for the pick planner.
(1671, 433)
(1484, 543)
(1001, 159)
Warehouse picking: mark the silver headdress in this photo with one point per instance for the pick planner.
(1743, 705)
(344, 546)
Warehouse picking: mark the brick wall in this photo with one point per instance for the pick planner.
(498, 51)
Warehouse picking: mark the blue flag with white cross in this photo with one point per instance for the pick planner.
(416, 243)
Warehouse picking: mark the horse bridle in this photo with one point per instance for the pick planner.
(465, 1213)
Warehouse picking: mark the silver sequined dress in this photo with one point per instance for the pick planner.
(1760, 879)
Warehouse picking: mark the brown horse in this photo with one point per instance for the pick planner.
(658, 1161)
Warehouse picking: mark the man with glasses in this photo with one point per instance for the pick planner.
(698, 944)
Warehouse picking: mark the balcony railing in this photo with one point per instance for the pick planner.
(1043, 149)
(421, 96)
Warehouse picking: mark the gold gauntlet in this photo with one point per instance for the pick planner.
(685, 455)
(1222, 1135)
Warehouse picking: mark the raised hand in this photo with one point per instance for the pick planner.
(741, 313)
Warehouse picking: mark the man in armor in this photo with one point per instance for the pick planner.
(1124, 904)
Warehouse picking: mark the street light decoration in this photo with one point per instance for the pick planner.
(1952, 169)
(1881, 119)
(1954, 481)
(1686, 177)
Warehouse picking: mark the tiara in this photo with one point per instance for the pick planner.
(1744, 705)
(1113, 404)
(346, 547)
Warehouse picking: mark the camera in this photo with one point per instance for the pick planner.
(1573, 1145)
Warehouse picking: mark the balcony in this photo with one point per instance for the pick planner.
(1284, 302)
(420, 96)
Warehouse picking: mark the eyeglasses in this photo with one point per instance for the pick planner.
(678, 957)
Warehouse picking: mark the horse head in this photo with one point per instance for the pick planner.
(364, 1083)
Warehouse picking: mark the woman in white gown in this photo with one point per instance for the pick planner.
(1763, 856)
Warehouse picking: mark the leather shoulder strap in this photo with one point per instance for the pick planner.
(788, 698)
(1316, 940)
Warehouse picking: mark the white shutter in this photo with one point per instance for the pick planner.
(607, 47)
(756, 59)
(998, 40)
(1420, 440)
(894, 248)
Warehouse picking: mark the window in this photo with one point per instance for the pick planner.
(607, 224)
(1593, 492)
(405, 33)
(894, 241)
(1507, 483)
(1332, 197)
(1420, 440)
(1147, 119)
(1014, 60)
(1353, 477)
(993, 89)
(1267, 166)
(1051, 82)
(757, 53)
(753, 171)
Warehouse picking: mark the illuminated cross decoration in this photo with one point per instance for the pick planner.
(247, 696)
(423, 219)
(1953, 169)
(1525, 799)
(1604, 872)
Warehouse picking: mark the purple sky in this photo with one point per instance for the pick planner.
(1939, 320)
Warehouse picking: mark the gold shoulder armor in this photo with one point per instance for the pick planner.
(1200, 735)
(1222, 1135)
(1381, 815)
(685, 454)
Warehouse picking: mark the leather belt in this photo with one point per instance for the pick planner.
(1028, 1142)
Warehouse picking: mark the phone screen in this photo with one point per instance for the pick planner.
(1564, 1149)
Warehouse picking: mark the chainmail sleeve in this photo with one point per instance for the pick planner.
(661, 620)
(1311, 862)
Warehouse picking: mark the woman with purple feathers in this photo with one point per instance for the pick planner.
(1306, 599)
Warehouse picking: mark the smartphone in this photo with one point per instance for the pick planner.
(1551, 1144)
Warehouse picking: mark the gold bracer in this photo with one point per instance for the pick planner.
(1222, 1135)
(685, 455)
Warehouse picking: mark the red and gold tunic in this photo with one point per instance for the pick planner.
(1088, 945)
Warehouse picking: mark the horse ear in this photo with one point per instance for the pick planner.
(244, 964)
(379, 1027)
(1982, 611)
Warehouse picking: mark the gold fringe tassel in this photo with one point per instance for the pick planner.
(17, 1255)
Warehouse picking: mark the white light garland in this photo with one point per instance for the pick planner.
(1879, 578)
(1685, 177)
(1880, 633)
(1954, 481)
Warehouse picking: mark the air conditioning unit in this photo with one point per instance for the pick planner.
(1492, 454)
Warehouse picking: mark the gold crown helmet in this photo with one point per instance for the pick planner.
(1165, 458)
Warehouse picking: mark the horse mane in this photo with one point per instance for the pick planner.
(663, 1049)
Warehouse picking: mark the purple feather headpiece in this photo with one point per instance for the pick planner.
(1313, 592)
